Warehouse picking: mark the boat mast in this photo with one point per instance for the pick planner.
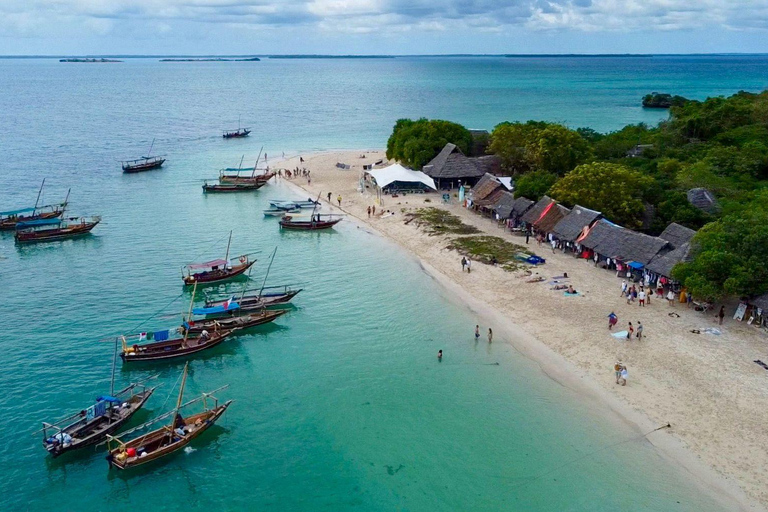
(66, 199)
(240, 165)
(257, 162)
(150, 149)
(189, 313)
(114, 363)
(226, 258)
(267, 274)
(38, 196)
(181, 394)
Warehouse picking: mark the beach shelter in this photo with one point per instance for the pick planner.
(397, 176)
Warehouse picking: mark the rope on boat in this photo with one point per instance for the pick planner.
(534, 478)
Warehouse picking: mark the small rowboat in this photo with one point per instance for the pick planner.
(276, 212)
(283, 204)
(169, 438)
(233, 187)
(142, 164)
(52, 230)
(314, 223)
(236, 134)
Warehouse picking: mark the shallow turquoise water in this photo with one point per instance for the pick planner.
(340, 405)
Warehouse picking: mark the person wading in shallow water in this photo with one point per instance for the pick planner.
(440, 355)
(490, 335)
(477, 332)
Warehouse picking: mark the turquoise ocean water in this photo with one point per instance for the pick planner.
(341, 404)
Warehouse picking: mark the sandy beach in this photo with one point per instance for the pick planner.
(706, 386)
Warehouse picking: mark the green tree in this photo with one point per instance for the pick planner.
(415, 143)
(513, 143)
(613, 189)
(616, 144)
(729, 255)
(558, 149)
(534, 184)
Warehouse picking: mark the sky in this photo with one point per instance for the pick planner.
(393, 27)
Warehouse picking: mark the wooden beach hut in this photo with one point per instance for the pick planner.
(574, 224)
(602, 239)
(519, 208)
(552, 216)
(704, 200)
(486, 194)
(663, 263)
(677, 235)
(534, 213)
(504, 205)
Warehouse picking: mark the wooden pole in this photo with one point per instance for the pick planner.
(181, 394)
(267, 274)
(150, 148)
(257, 162)
(38, 196)
(114, 363)
(189, 313)
(226, 257)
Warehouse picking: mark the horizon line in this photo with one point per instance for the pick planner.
(374, 55)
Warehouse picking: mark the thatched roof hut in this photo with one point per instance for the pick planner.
(520, 206)
(604, 238)
(664, 261)
(551, 218)
(703, 199)
(677, 235)
(533, 214)
(486, 188)
(640, 247)
(451, 166)
(504, 205)
(569, 228)
(761, 302)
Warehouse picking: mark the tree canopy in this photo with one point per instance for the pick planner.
(613, 189)
(534, 185)
(415, 143)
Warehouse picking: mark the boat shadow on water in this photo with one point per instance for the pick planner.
(207, 440)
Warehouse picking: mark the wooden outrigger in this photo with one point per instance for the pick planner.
(216, 271)
(10, 219)
(169, 438)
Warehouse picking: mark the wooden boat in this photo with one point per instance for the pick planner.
(242, 321)
(10, 219)
(315, 222)
(171, 348)
(276, 212)
(236, 134)
(216, 270)
(145, 163)
(232, 176)
(286, 204)
(233, 187)
(52, 230)
(169, 438)
(91, 425)
(260, 299)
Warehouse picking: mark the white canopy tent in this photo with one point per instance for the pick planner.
(397, 173)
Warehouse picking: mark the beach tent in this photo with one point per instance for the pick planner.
(396, 175)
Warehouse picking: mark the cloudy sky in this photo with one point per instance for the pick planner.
(381, 26)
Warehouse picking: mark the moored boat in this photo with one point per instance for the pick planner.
(269, 296)
(233, 187)
(239, 322)
(52, 230)
(216, 270)
(145, 163)
(169, 438)
(170, 348)
(315, 222)
(287, 204)
(276, 212)
(10, 219)
(236, 134)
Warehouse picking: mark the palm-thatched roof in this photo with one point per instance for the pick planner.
(520, 206)
(551, 218)
(703, 199)
(451, 163)
(677, 235)
(604, 238)
(533, 214)
(640, 247)
(485, 188)
(761, 302)
(571, 226)
(664, 261)
(504, 205)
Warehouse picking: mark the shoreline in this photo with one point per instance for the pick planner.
(673, 447)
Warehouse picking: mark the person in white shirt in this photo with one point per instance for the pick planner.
(641, 297)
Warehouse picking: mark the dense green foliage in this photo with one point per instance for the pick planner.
(613, 189)
(730, 255)
(415, 143)
(538, 145)
(534, 184)
(657, 100)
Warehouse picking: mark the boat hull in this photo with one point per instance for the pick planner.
(218, 275)
(207, 419)
(236, 322)
(307, 225)
(132, 169)
(10, 224)
(262, 178)
(55, 235)
(230, 188)
(171, 349)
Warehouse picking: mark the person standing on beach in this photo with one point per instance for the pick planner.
(721, 314)
(469, 266)
(639, 330)
(527, 235)
(617, 370)
(463, 263)
(623, 288)
(612, 320)
(553, 242)
(670, 296)
(339, 200)
(624, 375)
(369, 212)
(477, 332)
(641, 297)
(329, 197)
(490, 335)
(630, 331)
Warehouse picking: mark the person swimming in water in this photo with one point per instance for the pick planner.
(440, 355)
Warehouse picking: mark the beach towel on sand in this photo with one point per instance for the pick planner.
(622, 335)
(571, 294)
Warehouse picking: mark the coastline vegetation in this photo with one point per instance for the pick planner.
(441, 222)
(490, 250)
(642, 177)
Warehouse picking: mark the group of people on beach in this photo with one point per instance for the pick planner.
(477, 334)
(613, 319)
(466, 264)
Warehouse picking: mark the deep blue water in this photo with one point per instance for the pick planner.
(340, 405)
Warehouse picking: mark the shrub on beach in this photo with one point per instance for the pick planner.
(415, 143)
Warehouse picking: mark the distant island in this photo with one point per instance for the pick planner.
(89, 60)
(657, 100)
(250, 59)
(331, 56)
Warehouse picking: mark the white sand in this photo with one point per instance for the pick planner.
(706, 386)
